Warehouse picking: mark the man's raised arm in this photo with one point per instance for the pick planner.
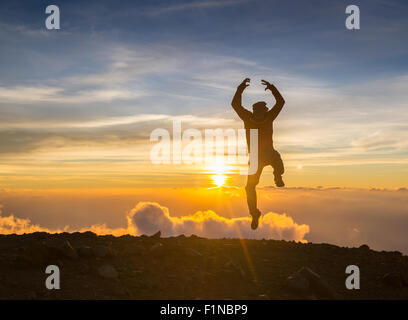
(276, 109)
(237, 100)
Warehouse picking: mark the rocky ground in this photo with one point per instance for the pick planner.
(107, 267)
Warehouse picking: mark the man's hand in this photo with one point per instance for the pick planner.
(274, 111)
(237, 101)
(267, 84)
(244, 84)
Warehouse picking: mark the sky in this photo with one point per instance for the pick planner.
(78, 105)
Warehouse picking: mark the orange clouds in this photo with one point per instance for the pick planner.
(150, 217)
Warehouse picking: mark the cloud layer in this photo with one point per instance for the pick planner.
(14, 225)
(150, 217)
(341, 216)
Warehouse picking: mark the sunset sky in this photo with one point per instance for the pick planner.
(78, 105)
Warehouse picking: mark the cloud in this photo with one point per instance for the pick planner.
(345, 216)
(25, 95)
(150, 217)
(48, 125)
(14, 225)
(103, 229)
(165, 79)
(378, 139)
(340, 216)
(195, 5)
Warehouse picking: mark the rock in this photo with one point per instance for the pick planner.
(102, 251)
(40, 235)
(89, 234)
(85, 269)
(120, 291)
(364, 247)
(404, 278)
(37, 254)
(393, 280)
(108, 272)
(193, 253)
(298, 284)
(85, 252)
(24, 261)
(234, 268)
(393, 256)
(157, 235)
(53, 252)
(68, 251)
(30, 295)
(156, 246)
(317, 284)
(60, 264)
(34, 256)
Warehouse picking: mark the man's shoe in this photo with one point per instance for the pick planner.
(255, 219)
(279, 182)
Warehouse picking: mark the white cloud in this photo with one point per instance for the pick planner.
(194, 5)
(122, 121)
(12, 224)
(150, 217)
(346, 216)
(23, 95)
(123, 64)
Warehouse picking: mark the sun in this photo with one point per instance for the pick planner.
(218, 174)
(219, 179)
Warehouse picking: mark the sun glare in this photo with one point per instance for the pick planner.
(219, 174)
(219, 180)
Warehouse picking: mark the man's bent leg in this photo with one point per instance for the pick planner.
(278, 168)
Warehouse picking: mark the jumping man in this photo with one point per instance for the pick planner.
(262, 119)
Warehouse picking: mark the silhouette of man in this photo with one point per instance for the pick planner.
(262, 119)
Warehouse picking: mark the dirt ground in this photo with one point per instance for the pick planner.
(127, 267)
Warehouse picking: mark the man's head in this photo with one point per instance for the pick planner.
(259, 110)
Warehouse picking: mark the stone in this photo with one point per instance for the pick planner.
(102, 251)
(156, 246)
(40, 235)
(234, 268)
(108, 272)
(404, 278)
(34, 256)
(298, 284)
(89, 234)
(393, 280)
(68, 251)
(193, 253)
(85, 269)
(317, 283)
(157, 235)
(364, 247)
(54, 252)
(30, 295)
(85, 252)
